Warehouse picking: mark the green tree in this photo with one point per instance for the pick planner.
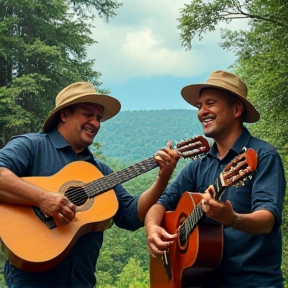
(262, 53)
(133, 276)
(43, 49)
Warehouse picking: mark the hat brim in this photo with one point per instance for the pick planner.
(191, 94)
(111, 107)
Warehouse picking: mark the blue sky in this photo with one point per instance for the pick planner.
(141, 59)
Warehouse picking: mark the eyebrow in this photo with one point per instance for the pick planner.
(91, 110)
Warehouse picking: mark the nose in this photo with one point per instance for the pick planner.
(202, 111)
(95, 122)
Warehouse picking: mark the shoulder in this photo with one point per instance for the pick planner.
(26, 140)
(30, 137)
(262, 147)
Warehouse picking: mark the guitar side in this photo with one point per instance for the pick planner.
(201, 253)
(36, 247)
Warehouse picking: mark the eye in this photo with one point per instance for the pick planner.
(210, 102)
(198, 106)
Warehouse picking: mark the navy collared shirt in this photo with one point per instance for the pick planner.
(248, 260)
(41, 154)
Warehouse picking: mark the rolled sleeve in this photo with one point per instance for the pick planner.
(172, 194)
(269, 185)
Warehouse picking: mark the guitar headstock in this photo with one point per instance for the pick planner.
(240, 169)
(194, 147)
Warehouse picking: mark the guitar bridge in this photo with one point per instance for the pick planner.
(47, 220)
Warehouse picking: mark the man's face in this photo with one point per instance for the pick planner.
(216, 114)
(82, 123)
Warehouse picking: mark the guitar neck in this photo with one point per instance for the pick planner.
(194, 148)
(219, 188)
(197, 214)
(106, 183)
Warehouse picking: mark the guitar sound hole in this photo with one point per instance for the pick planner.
(77, 195)
(182, 240)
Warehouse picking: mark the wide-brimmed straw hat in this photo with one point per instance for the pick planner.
(81, 92)
(226, 81)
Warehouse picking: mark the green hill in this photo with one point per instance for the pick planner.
(134, 135)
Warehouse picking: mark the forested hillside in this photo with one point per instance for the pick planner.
(135, 135)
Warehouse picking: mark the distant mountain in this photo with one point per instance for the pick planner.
(135, 135)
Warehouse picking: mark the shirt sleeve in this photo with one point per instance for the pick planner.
(15, 155)
(269, 185)
(183, 182)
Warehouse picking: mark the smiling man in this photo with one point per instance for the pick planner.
(251, 214)
(67, 132)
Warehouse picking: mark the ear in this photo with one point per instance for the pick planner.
(238, 109)
(63, 114)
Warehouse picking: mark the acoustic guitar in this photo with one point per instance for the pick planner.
(32, 241)
(198, 248)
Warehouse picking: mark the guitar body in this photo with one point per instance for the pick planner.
(190, 261)
(26, 240)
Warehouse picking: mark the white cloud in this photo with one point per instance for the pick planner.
(143, 41)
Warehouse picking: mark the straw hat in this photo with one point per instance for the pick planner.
(81, 92)
(226, 81)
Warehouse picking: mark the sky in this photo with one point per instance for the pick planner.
(142, 61)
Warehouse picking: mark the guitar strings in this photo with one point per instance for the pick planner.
(190, 222)
(79, 194)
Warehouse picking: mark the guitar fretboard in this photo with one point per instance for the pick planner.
(108, 182)
(196, 215)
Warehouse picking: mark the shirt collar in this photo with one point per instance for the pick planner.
(242, 141)
(59, 142)
(57, 139)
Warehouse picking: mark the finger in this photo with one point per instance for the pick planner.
(169, 144)
(71, 206)
(155, 251)
(163, 156)
(68, 214)
(60, 219)
(205, 205)
(169, 237)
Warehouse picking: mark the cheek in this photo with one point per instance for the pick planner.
(199, 115)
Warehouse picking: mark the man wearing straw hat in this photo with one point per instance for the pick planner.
(251, 214)
(68, 131)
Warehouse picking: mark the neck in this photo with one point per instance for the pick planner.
(77, 148)
(225, 143)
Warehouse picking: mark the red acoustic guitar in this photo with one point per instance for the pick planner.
(32, 241)
(198, 249)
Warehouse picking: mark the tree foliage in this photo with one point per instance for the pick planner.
(43, 49)
(261, 50)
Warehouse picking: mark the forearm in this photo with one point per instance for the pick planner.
(155, 215)
(258, 222)
(151, 196)
(17, 191)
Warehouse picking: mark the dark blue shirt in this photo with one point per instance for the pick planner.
(39, 154)
(248, 260)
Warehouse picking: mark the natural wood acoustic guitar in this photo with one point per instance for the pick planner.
(32, 241)
(198, 249)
